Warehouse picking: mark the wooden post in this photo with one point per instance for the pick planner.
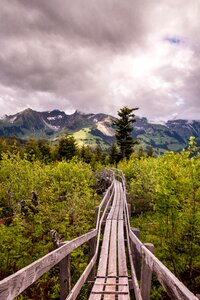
(129, 210)
(65, 276)
(136, 254)
(92, 249)
(146, 275)
(96, 213)
(126, 196)
(64, 266)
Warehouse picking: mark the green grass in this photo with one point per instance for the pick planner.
(84, 136)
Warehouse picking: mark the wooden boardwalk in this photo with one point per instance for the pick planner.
(119, 261)
(112, 276)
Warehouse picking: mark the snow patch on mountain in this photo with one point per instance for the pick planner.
(90, 116)
(54, 118)
(12, 119)
(55, 128)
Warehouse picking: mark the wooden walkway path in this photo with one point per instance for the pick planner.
(119, 261)
(112, 275)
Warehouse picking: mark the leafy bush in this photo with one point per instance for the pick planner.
(169, 189)
(66, 203)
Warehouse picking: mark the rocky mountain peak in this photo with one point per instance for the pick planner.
(98, 129)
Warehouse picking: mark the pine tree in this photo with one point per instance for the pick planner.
(113, 154)
(124, 129)
(98, 153)
(86, 154)
(44, 150)
(150, 151)
(67, 147)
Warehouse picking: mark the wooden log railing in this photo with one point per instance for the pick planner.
(15, 284)
(142, 261)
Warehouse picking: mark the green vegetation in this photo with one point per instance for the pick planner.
(44, 187)
(65, 148)
(66, 203)
(165, 197)
(85, 137)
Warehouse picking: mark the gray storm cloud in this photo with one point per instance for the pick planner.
(96, 56)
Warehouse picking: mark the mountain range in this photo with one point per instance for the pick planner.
(93, 129)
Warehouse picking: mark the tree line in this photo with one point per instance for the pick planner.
(66, 147)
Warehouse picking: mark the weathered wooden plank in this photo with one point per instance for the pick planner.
(96, 210)
(122, 266)
(104, 202)
(129, 210)
(92, 251)
(15, 284)
(121, 203)
(107, 293)
(65, 277)
(136, 254)
(103, 217)
(123, 288)
(146, 276)
(110, 215)
(107, 196)
(104, 250)
(117, 204)
(136, 242)
(97, 289)
(136, 287)
(110, 288)
(100, 281)
(112, 262)
(76, 289)
(64, 267)
(102, 267)
(115, 284)
(135, 284)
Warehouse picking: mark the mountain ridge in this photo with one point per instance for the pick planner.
(92, 129)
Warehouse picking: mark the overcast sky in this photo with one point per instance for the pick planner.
(99, 55)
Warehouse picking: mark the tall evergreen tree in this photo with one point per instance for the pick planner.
(86, 154)
(113, 155)
(67, 147)
(98, 153)
(124, 128)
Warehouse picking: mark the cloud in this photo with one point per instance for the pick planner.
(96, 56)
